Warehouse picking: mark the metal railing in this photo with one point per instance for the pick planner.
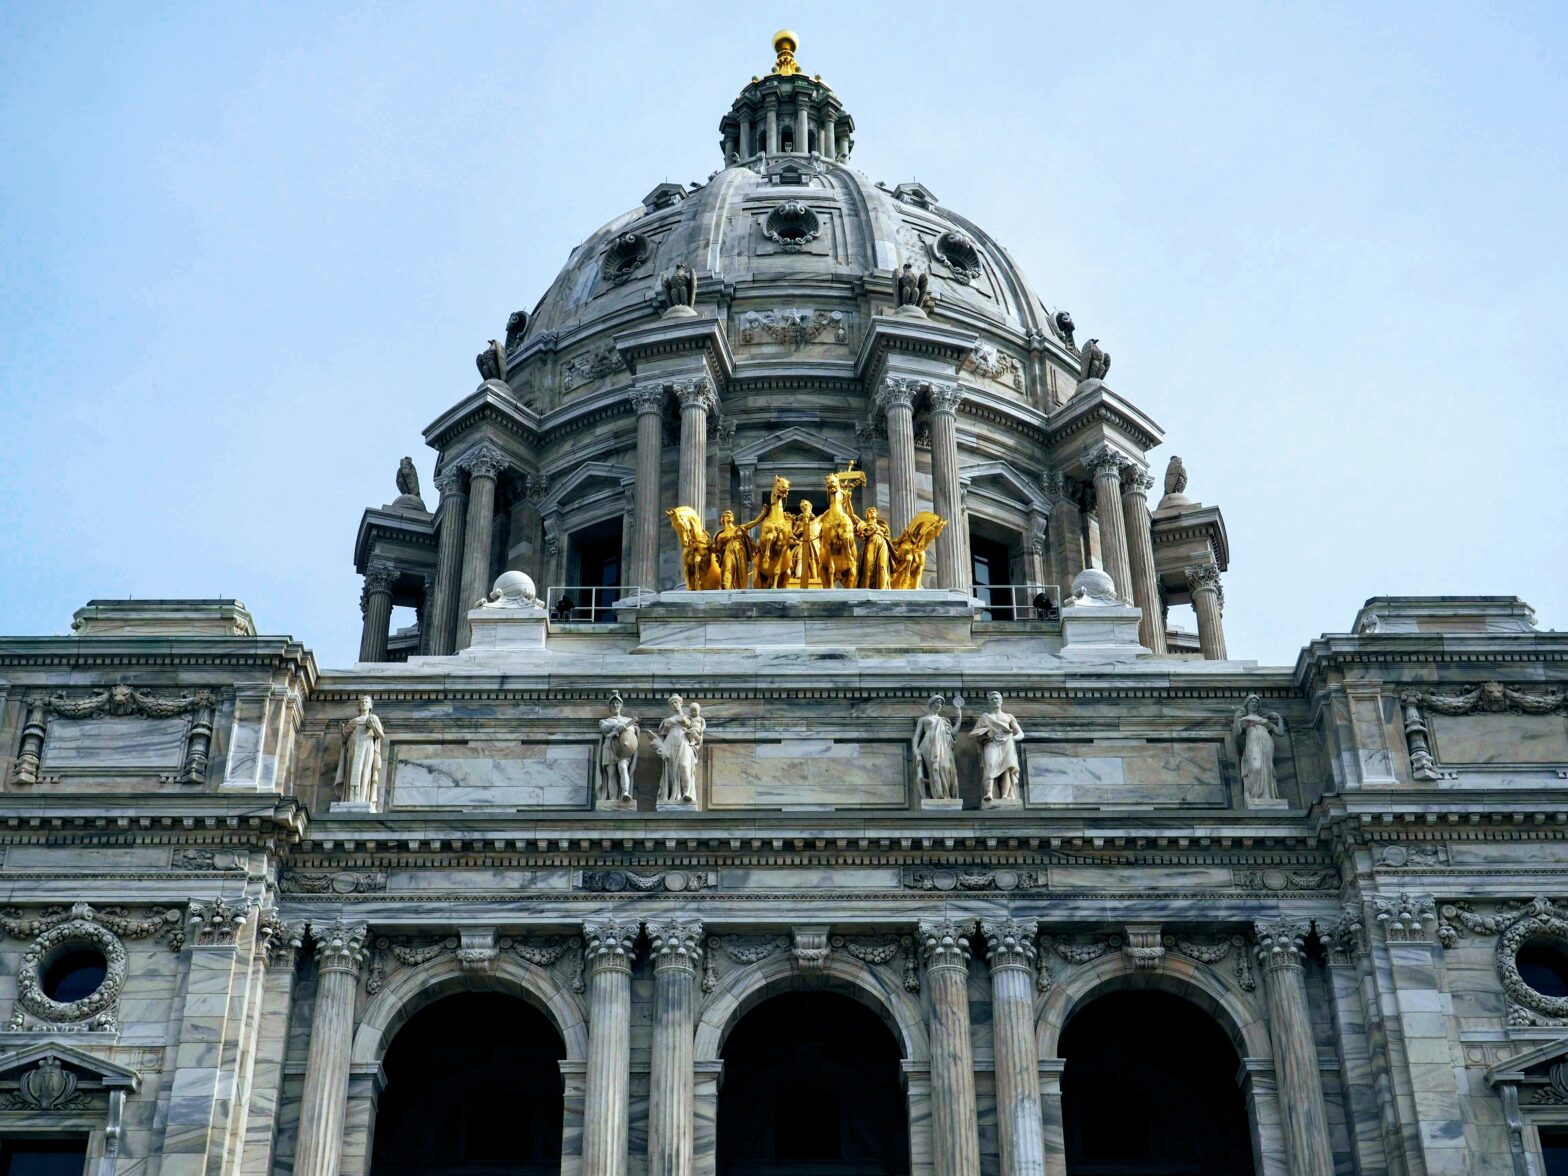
(588, 604)
(1020, 602)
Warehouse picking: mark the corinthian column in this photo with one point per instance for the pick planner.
(340, 950)
(648, 400)
(376, 608)
(896, 400)
(955, 1138)
(677, 950)
(1145, 587)
(1010, 946)
(952, 546)
(697, 400)
(483, 464)
(1208, 601)
(607, 962)
(1106, 464)
(1295, 1053)
(442, 613)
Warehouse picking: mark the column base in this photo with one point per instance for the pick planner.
(1002, 802)
(933, 804)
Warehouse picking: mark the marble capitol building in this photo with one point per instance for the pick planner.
(791, 772)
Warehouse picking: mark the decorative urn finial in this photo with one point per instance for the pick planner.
(785, 42)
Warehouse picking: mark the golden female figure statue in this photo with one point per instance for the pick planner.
(733, 547)
(876, 559)
(839, 562)
(808, 546)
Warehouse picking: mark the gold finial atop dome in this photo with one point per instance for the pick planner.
(785, 42)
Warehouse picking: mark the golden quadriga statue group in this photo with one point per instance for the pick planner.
(836, 549)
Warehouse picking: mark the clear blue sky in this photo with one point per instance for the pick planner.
(247, 252)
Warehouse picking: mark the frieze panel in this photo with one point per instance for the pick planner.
(631, 882)
(795, 325)
(388, 953)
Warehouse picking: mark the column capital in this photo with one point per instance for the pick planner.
(696, 392)
(1106, 462)
(1345, 937)
(1010, 943)
(450, 482)
(1407, 918)
(483, 461)
(944, 943)
(1204, 577)
(945, 398)
(1135, 481)
(675, 943)
(896, 392)
(1279, 942)
(609, 944)
(340, 946)
(647, 398)
(379, 575)
(281, 941)
(216, 923)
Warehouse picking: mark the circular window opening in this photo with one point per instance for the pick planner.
(1543, 965)
(74, 974)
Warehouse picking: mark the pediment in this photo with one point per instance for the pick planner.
(1005, 482)
(590, 478)
(97, 1072)
(1531, 1065)
(795, 445)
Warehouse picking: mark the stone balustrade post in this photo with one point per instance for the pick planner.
(1208, 602)
(952, 546)
(1145, 587)
(340, 952)
(1106, 465)
(896, 400)
(1279, 946)
(1010, 947)
(697, 399)
(648, 401)
(375, 606)
(677, 946)
(442, 613)
(483, 465)
(608, 952)
(955, 1138)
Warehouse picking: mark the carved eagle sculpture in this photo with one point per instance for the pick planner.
(911, 289)
(1175, 477)
(407, 478)
(1096, 360)
(679, 286)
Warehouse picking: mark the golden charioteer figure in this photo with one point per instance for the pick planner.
(837, 549)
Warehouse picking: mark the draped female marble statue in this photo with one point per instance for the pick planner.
(680, 739)
(1255, 733)
(876, 557)
(936, 770)
(998, 734)
(618, 738)
(359, 764)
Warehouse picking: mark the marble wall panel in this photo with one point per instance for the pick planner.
(48, 857)
(812, 772)
(1125, 772)
(809, 880)
(1499, 739)
(114, 743)
(477, 879)
(492, 775)
(1137, 878)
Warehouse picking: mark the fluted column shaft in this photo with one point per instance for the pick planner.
(955, 1138)
(1295, 1052)
(1145, 588)
(747, 149)
(1107, 467)
(649, 403)
(340, 950)
(827, 138)
(1010, 946)
(607, 960)
(697, 400)
(443, 610)
(772, 108)
(897, 402)
(802, 126)
(377, 611)
(482, 465)
(677, 951)
(1208, 602)
(952, 545)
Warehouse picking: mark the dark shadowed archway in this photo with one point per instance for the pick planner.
(1151, 1088)
(473, 1089)
(812, 1087)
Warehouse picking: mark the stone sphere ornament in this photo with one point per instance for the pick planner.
(513, 590)
(1094, 588)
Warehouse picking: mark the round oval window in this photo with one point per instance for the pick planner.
(1543, 965)
(75, 974)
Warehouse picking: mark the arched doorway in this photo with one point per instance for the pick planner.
(812, 1087)
(473, 1089)
(1150, 1087)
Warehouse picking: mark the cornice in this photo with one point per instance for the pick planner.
(1334, 650)
(117, 651)
(1078, 413)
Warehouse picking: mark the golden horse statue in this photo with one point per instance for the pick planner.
(840, 558)
(775, 540)
(909, 549)
(697, 562)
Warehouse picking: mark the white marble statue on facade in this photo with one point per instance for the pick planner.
(998, 734)
(359, 764)
(936, 769)
(680, 739)
(1255, 733)
(618, 740)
